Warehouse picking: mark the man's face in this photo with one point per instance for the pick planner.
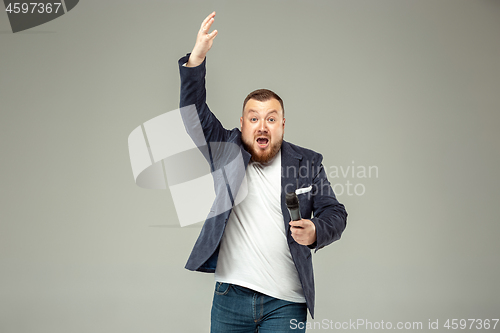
(262, 129)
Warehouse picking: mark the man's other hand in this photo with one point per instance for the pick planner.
(303, 231)
(204, 42)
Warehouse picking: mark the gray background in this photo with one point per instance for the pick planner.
(411, 87)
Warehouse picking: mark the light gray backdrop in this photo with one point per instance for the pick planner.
(411, 87)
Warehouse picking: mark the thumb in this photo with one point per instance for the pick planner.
(298, 223)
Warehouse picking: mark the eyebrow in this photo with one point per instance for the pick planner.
(272, 111)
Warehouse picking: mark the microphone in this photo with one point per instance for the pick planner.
(292, 203)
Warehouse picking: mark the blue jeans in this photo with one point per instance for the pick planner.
(239, 309)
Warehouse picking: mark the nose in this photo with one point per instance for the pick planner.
(263, 127)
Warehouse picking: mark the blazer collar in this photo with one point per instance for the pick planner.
(288, 154)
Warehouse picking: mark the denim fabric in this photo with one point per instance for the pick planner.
(242, 310)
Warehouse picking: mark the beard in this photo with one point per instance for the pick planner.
(265, 156)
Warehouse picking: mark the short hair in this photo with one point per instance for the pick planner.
(263, 95)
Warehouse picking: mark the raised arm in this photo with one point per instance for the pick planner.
(192, 71)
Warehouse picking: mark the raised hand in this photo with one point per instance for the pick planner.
(204, 41)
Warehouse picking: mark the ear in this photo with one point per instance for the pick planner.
(241, 123)
(284, 123)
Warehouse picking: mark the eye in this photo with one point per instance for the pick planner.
(272, 119)
(253, 119)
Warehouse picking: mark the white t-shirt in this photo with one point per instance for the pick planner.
(254, 251)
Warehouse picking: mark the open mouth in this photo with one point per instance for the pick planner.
(262, 142)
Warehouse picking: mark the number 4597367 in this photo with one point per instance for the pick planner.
(479, 324)
(33, 7)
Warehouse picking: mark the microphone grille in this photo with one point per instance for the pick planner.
(291, 199)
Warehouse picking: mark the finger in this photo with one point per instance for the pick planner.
(297, 232)
(300, 241)
(212, 34)
(206, 25)
(298, 223)
(207, 19)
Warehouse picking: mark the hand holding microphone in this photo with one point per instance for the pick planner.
(303, 231)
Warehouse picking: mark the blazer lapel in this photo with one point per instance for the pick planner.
(290, 160)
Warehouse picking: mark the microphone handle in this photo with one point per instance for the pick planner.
(295, 213)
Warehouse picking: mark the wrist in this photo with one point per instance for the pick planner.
(195, 60)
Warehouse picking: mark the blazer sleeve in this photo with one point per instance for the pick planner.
(193, 92)
(330, 216)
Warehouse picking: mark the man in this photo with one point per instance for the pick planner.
(261, 260)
